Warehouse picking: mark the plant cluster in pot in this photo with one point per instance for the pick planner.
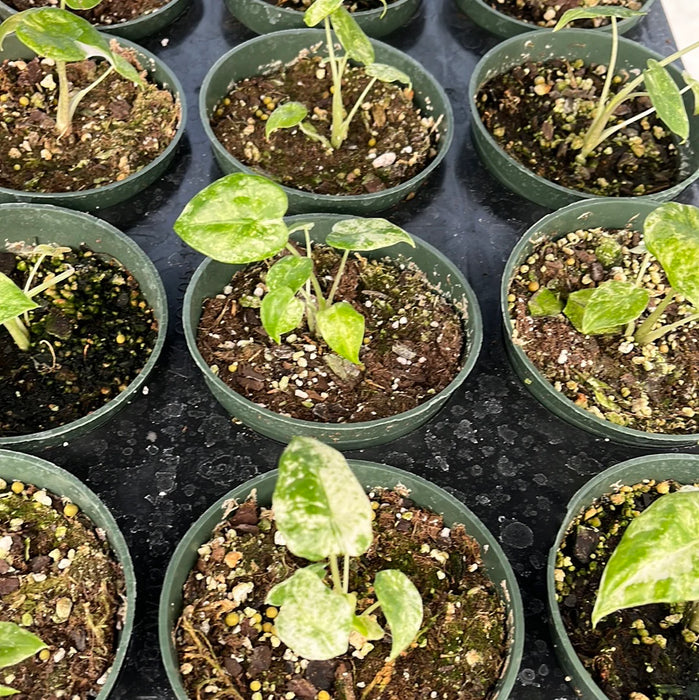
(354, 131)
(83, 317)
(355, 350)
(59, 148)
(67, 587)
(623, 581)
(555, 125)
(243, 615)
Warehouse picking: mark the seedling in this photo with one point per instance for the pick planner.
(671, 235)
(16, 645)
(660, 88)
(322, 513)
(59, 35)
(357, 47)
(238, 220)
(657, 560)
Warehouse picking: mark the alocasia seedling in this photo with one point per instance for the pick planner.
(57, 34)
(16, 645)
(239, 219)
(323, 513)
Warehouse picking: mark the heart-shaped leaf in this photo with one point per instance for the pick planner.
(13, 301)
(285, 116)
(388, 74)
(666, 98)
(17, 644)
(401, 605)
(593, 12)
(545, 303)
(319, 10)
(354, 41)
(366, 234)
(290, 272)
(285, 591)
(281, 312)
(342, 328)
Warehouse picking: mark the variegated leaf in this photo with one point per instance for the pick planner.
(401, 605)
(594, 12)
(319, 10)
(666, 98)
(366, 234)
(13, 301)
(342, 328)
(281, 312)
(17, 644)
(290, 272)
(354, 41)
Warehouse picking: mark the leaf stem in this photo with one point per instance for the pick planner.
(63, 108)
(371, 608)
(78, 96)
(647, 326)
(650, 337)
(692, 615)
(52, 282)
(336, 136)
(19, 333)
(357, 104)
(335, 570)
(336, 281)
(345, 575)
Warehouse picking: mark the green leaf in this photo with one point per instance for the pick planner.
(401, 605)
(368, 627)
(290, 272)
(314, 621)
(694, 85)
(5, 691)
(657, 559)
(82, 4)
(319, 10)
(284, 591)
(545, 303)
(237, 219)
(13, 301)
(320, 507)
(17, 644)
(366, 234)
(388, 74)
(666, 98)
(671, 234)
(9, 26)
(281, 312)
(285, 116)
(354, 41)
(593, 12)
(342, 328)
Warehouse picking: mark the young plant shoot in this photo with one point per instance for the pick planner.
(60, 35)
(16, 645)
(671, 235)
(239, 219)
(659, 86)
(657, 560)
(322, 513)
(358, 48)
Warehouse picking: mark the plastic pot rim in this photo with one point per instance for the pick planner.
(359, 15)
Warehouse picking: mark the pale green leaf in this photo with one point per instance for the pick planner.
(82, 4)
(694, 85)
(284, 591)
(13, 301)
(237, 219)
(671, 234)
(285, 116)
(320, 507)
(9, 26)
(594, 12)
(368, 627)
(575, 307)
(5, 691)
(17, 644)
(290, 272)
(666, 98)
(354, 41)
(657, 559)
(366, 234)
(388, 74)
(545, 303)
(319, 10)
(342, 328)
(281, 312)
(401, 605)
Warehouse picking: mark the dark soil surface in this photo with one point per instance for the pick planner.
(414, 343)
(107, 12)
(389, 140)
(59, 579)
(461, 647)
(546, 13)
(634, 653)
(356, 6)
(654, 387)
(539, 112)
(90, 338)
(117, 129)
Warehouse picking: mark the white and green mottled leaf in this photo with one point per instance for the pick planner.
(657, 559)
(319, 10)
(671, 234)
(545, 303)
(320, 507)
(17, 644)
(9, 26)
(285, 116)
(237, 219)
(342, 328)
(368, 627)
(366, 234)
(354, 41)
(290, 272)
(388, 74)
(666, 98)
(13, 301)
(594, 12)
(284, 591)
(281, 312)
(401, 605)
(82, 4)
(314, 621)
(694, 86)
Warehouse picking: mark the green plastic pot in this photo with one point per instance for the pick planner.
(115, 192)
(505, 26)
(15, 466)
(370, 474)
(264, 17)
(211, 277)
(588, 214)
(255, 56)
(41, 223)
(683, 468)
(591, 46)
(133, 29)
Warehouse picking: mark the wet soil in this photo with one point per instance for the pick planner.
(459, 652)
(106, 13)
(636, 653)
(117, 129)
(60, 580)
(539, 112)
(389, 141)
(90, 338)
(413, 344)
(654, 387)
(355, 6)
